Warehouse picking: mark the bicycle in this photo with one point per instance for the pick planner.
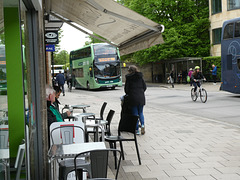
(200, 91)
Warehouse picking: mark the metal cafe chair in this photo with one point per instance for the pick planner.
(99, 163)
(108, 125)
(4, 136)
(127, 124)
(19, 160)
(68, 133)
(101, 112)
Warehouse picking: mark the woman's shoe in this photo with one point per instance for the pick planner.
(142, 129)
(137, 132)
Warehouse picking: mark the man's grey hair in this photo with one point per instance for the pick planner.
(49, 90)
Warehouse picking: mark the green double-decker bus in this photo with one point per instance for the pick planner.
(96, 66)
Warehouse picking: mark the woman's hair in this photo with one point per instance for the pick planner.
(132, 69)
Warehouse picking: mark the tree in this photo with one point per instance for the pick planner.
(57, 46)
(94, 40)
(61, 58)
(186, 28)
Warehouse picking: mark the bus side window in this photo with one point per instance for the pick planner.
(229, 62)
(238, 62)
(228, 31)
(237, 29)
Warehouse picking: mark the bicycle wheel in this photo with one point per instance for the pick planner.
(193, 95)
(203, 95)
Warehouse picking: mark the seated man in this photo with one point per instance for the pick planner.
(53, 114)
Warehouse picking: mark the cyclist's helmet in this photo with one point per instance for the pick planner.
(197, 67)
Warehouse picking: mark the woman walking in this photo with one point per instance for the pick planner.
(135, 88)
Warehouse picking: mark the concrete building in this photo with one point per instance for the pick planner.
(220, 11)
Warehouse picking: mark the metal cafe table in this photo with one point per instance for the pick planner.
(3, 120)
(5, 112)
(92, 123)
(82, 106)
(95, 125)
(61, 151)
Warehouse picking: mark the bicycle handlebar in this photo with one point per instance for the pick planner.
(200, 80)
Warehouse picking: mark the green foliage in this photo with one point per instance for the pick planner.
(67, 65)
(208, 62)
(61, 58)
(186, 28)
(94, 40)
(57, 46)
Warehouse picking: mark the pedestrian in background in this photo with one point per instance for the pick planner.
(171, 78)
(61, 81)
(190, 75)
(135, 88)
(214, 73)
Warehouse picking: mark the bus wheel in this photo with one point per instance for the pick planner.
(88, 87)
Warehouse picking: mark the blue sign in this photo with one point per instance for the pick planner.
(50, 47)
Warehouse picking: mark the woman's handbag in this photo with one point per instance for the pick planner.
(188, 79)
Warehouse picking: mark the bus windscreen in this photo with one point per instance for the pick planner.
(107, 70)
(103, 49)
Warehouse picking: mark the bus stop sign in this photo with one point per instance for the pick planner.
(50, 47)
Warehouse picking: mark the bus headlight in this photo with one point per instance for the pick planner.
(96, 80)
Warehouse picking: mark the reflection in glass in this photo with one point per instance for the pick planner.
(4, 133)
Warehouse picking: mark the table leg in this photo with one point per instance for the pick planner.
(96, 135)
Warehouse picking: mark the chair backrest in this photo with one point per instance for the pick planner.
(99, 162)
(19, 160)
(127, 123)
(102, 109)
(67, 132)
(109, 120)
(4, 136)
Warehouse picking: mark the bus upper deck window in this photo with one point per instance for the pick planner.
(228, 31)
(237, 29)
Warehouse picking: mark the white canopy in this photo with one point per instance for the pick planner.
(122, 27)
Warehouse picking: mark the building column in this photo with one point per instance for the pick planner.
(15, 89)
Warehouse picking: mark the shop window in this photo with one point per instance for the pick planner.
(237, 29)
(216, 6)
(216, 35)
(233, 4)
(228, 31)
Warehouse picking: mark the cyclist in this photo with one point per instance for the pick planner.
(196, 76)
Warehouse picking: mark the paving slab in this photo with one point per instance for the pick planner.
(176, 145)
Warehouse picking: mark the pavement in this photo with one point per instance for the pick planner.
(207, 85)
(176, 146)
